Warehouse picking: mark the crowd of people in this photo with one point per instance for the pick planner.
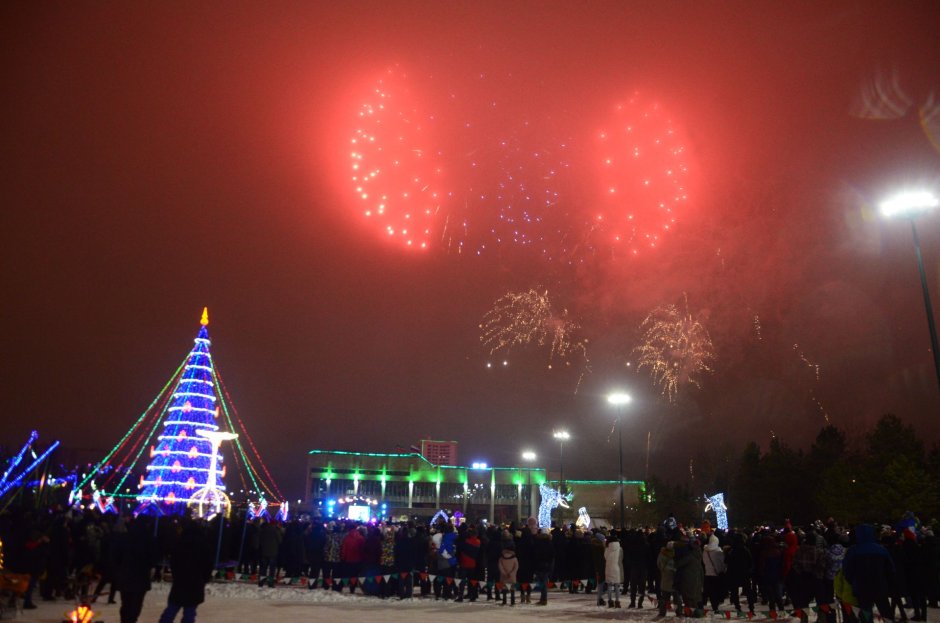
(818, 568)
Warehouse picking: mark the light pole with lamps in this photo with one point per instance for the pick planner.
(562, 436)
(529, 457)
(619, 400)
(908, 205)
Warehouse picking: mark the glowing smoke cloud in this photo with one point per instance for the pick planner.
(717, 503)
(551, 498)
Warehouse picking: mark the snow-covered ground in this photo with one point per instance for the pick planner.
(243, 602)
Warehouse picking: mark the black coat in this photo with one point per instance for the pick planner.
(135, 556)
(543, 554)
(191, 562)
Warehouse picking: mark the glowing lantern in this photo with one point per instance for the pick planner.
(216, 412)
(187, 407)
(176, 467)
(193, 452)
(153, 451)
(182, 433)
(170, 497)
(191, 483)
(223, 471)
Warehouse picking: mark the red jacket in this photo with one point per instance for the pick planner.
(352, 549)
(467, 552)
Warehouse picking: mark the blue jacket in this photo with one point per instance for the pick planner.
(868, 567)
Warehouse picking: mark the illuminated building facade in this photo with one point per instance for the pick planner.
(408, 484)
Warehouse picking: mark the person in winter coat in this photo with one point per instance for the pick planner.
(690, 576)
(191, 562)
(269, 546)
(508, 565)
(713, 557)
(835, 553)
(332, 562)
(405, 566)
(613, 572)
(635, 559)
(291, 550)
(543, 561)
(495, 543)
(770, 571)
(352, 554)
(666, 565)
(916, 567)
(739, 566)
(444, 544)
(468, 551)
(106, 565)
(136, 554)
(806, 575)
(598, 547)
(525, 541)
(869, 570)
(422, 548)
(843, 592)
(314, 540)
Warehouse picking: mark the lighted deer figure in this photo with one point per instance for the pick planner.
(551, 499)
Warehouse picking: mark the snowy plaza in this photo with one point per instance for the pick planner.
(232, 602)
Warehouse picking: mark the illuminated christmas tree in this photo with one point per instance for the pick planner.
(176, 444)
(181, 463)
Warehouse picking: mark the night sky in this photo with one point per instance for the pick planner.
(159, 157)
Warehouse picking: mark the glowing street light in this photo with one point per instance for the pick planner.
(910, 205)
(619, 400)
(529, 457)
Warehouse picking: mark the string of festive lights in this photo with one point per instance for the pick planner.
(16, 460)
(271, 486)
(15, 482)
(116, 448)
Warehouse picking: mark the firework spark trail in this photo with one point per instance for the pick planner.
(809, 364)
(676, 348)
(524, 318)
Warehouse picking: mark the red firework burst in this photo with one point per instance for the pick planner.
(395, 173)
(643, 178)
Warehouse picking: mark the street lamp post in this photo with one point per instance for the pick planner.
(562, 436)
(619, 400)
(909, 205)
(529, 457)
